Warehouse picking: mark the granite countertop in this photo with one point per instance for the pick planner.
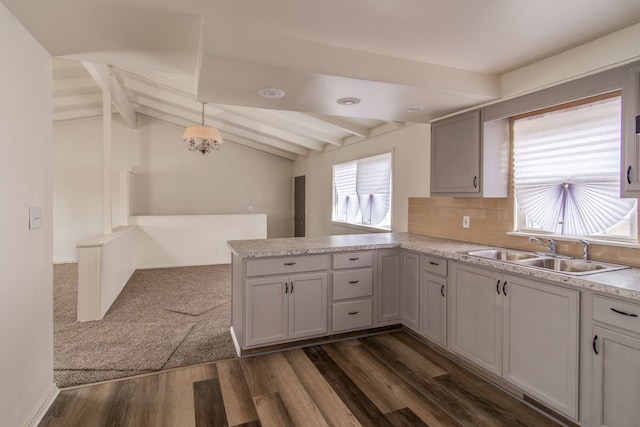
(623, 283)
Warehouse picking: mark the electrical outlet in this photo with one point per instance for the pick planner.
(465, 222)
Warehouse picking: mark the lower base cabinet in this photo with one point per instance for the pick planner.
(285, 308)
(615, 362)
(522, 330)
(616, 379)
(434, 305)
(433, 299)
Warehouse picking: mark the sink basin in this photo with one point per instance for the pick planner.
(503, 254)
(575, 267)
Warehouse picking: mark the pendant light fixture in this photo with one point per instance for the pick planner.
(202, 138)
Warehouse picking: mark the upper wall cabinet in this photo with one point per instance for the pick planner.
(630, 168)
(469, 157)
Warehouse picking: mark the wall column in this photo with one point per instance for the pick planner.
(107, 225)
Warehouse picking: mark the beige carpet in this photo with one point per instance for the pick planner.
(164, 318)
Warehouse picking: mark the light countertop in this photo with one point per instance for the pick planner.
(623, 283)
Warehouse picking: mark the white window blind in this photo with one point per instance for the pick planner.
(566, 169)
(362, 191)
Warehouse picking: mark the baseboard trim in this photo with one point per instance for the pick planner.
(324, 339)
(43, 407)
(235, 342)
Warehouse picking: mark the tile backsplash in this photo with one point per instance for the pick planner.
(490, 220)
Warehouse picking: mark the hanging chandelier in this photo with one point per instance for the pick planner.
(202, 138)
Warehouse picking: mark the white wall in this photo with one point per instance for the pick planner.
(410, 146)
(171, 180)
(181, 240)
(26, 291)
(168, 179)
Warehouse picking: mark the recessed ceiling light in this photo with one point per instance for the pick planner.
(271, 92)
(414, 109)
(348, 101)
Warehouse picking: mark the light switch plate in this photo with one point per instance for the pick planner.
(465, 222)
(34, 217)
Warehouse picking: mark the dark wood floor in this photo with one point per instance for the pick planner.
(385, 380)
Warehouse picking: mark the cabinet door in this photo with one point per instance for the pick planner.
(616, 379)
(455, 155)
(307, 305)
(433, 308)
(411, 290)
(266, 311)
(476, 316)
(540, 342)
(630, 168)
(388, 286)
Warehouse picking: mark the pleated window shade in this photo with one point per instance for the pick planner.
(567, 169)
(362, 191)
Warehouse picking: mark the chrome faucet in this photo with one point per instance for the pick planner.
(552, 246)
(586, 250)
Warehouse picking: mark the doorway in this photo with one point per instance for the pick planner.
(299, 193)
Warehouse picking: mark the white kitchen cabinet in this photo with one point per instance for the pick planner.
(433, 301)
(455, 155)
(469, 158)
(510, 325)
(410, 290)
(285, 308)
(476, 316)
(630, 167)
(352, 291)
(615, 363)
(388, 286)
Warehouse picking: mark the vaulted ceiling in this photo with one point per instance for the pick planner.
(406, 60)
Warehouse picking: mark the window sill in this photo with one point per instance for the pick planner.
(362, 227)
(593, 240)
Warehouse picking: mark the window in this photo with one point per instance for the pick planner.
(567, 171)
(362, 192)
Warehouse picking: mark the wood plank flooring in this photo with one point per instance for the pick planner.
(384, 380)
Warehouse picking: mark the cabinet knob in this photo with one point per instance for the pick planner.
(289, 263)
(442, 291)
(504, 288)
(595, 341)
(629, 175)
(475, 182)
(354, 259)
(498, 287)
(352, 313)
(353, 282)
(433, 263)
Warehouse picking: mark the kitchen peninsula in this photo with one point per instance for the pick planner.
(502, 317)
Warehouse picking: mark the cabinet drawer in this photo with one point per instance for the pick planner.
(434, 265)
(352, 315)
(286, 265)
(353, 260)
(617, 313)
(352, 284)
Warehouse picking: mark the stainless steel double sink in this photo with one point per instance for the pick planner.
(560, 264)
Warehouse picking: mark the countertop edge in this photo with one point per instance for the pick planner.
(621, 283)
